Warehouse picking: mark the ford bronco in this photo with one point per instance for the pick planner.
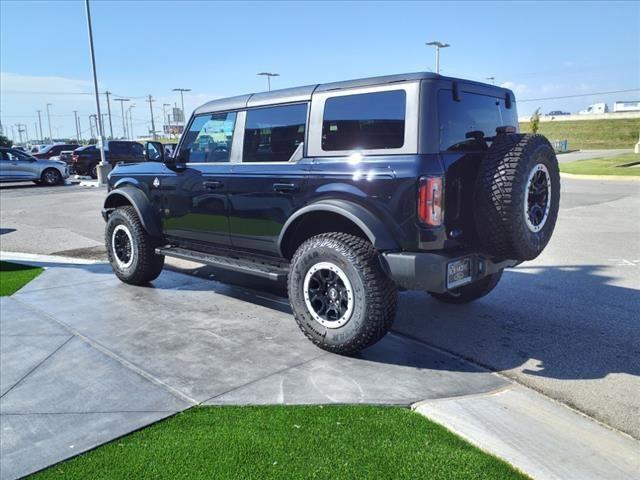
(349, 191)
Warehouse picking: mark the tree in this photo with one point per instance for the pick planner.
(534, 121)
(5, 142)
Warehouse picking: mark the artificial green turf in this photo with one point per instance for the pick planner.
(287, 442)
(14, 276)
(604, 166)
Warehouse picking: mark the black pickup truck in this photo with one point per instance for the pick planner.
(349, 191)
(84, 160)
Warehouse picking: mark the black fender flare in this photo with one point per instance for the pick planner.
(137, 198)
(372, 226)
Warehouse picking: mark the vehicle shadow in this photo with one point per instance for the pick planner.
(555, 322)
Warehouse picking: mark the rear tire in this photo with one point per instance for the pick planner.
(131, 249)
(93, 172)
(469, 293)
(341, 298)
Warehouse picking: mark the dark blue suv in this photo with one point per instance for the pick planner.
(350, 191)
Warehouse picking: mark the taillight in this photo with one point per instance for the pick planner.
(430, 201)
(74, 158)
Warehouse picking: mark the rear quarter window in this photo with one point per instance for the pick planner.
(473, 116)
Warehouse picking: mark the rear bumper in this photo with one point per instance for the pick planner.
(428, 271)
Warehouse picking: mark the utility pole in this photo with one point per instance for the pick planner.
(153, 125)
(75, 113)
(13, 134)
(79, 129)
(40, 123)
(124, 123)
(438, 46)
(19, 131)
(26, 131)
(91, 126)
(182, 90)
(49, 122)
(102, 167)
(107, 93)
(269, 75)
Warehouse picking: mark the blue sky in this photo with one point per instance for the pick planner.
(539, 49)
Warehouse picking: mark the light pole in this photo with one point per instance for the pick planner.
(102, 167)
(269, 75)
(40, 123)
(131, 121)
(124, 124)
(107, 94)
(75, 113)
(49, 122)
(182, 90)
(79, 129)
(438, 46)
(153, 125)
(492, 80)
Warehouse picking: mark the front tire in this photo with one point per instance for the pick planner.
(341, 298)
(469, 293)
(131, 249)
(51, 177)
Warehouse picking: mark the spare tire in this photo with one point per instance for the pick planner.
(517, 196)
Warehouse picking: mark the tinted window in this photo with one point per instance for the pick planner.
(272, 134)
(464, 123)
(137, 149)
(364, 121)
(118, 148)
(209, 138)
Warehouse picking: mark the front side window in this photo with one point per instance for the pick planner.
(465, 124)
(272, 134)
(364, 121)
(209, 139)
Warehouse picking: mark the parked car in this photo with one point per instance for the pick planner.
(18, 166)
(350, 191)
(54, 150)
(556, 113)
(84, 160)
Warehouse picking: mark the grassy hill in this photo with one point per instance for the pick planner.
(591, 134)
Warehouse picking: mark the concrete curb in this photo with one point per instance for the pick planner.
(537, 435)
(613, 178)
(40, 259)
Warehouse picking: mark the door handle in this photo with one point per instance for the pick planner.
(285, 187)
(212, 185)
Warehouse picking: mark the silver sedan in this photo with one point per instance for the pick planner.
(18, 166)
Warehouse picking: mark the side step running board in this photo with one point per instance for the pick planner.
(248, 266)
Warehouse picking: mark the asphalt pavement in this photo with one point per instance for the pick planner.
(564, 324)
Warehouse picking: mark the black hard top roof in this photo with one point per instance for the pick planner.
(300, 94)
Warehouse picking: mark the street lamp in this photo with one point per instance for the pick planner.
(124, 125)
(49, 122)
(438, 46)
(492, 80)
(269, 75)
(182, 90)
(102, 167)
(131, 134)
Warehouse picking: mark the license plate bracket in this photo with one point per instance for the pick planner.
(459, 272)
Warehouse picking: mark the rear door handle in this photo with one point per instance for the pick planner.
(212, 185)
(285, 187)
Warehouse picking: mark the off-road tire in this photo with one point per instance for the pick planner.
(374, 294)
(469, 293)
(51, 177)
(501, 194)
(145, 265)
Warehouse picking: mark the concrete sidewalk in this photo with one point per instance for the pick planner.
(86, 359)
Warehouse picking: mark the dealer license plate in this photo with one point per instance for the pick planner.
(459, 273)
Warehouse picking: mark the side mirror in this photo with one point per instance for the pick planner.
(154, 152)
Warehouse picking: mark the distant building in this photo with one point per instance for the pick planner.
(633, 106)
(594, 108)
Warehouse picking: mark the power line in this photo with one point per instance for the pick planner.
(579, 95)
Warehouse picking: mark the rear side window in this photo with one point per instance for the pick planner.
(464, 123)
(272, 134)
(364, 121)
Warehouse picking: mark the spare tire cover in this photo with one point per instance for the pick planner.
(517, 196)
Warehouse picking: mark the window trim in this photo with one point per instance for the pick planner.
(412, 106)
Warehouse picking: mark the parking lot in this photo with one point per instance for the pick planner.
(564, 324)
